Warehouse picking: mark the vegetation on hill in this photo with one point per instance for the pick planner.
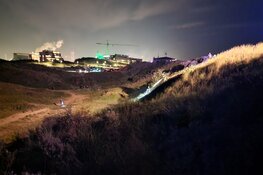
(39, 76)
(141, 73)
(83, 59)
(15, 98)
(207, 121)
(2, 60)
(217, 72)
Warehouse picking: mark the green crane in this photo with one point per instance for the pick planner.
(107, 44)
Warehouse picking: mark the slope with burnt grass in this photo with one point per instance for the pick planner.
(209, 122)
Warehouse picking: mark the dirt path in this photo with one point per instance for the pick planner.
(80, 102)
(21, 122)
(19, 116)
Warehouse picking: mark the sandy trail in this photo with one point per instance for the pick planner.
(82, 102)
(18, 116)
(21, 122)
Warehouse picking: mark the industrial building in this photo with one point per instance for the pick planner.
(113, 62)
(163, 59)
(22, 56)
(125, 59)
(43, 56)
(47, 55)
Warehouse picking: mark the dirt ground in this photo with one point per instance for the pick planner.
(78, 102)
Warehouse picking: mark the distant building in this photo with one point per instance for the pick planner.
(35, 56)
(48, 55)
(22, 56)
(89, 61)
(125, 59)
(44, 56)
(163, 59)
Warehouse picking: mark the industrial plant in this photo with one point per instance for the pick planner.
(48, 56)
(43, 56)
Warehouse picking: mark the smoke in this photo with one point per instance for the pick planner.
(50, 46)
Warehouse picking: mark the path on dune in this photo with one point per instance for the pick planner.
(20, 122)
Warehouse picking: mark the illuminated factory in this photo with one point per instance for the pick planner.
(116, 60)
(111, 62)
(47, 55)
(125, 59)
(43, 56)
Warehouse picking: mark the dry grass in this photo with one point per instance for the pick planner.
(238, 55)
(200, 75)
(16, 98)
(95, 101)
(38, 104)
(39, 76)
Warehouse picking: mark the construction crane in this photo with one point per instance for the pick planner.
(107, 44)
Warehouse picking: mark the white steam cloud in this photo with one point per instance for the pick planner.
(50, 46)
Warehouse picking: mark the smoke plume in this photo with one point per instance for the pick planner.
(50, 46)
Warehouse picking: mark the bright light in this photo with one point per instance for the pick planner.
(99, 56)
(148, 90)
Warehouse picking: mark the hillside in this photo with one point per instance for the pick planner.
(16, 98)
(2, 60)
(141, 73)
(29, 91)
(38, 76)
(209, 74)
(237, 64)
(207, 120)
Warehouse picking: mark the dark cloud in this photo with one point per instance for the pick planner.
(88, 14)
(189, 25)
(155, 25)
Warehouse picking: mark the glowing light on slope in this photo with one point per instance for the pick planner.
(148, 91)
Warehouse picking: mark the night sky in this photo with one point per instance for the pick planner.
(182, 28)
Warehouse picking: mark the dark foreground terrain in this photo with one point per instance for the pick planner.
(209, 121)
